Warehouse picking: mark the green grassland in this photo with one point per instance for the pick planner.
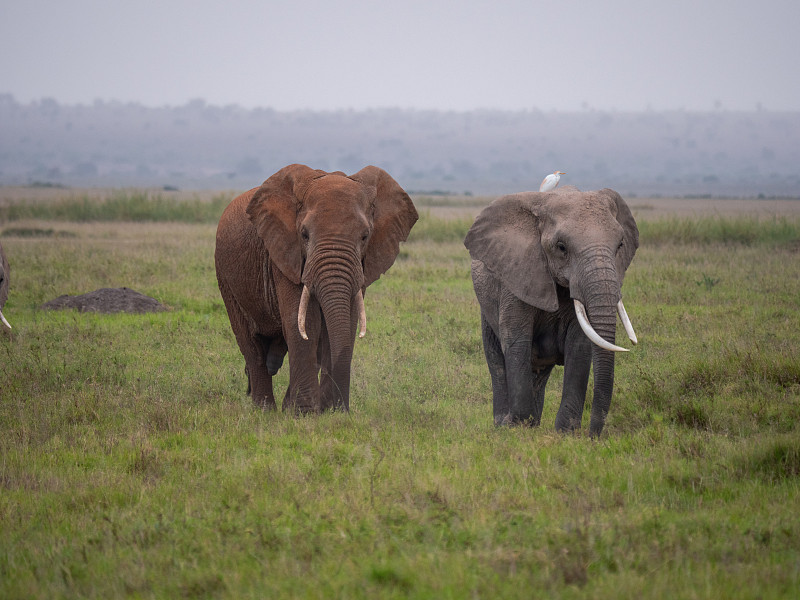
(133, 464)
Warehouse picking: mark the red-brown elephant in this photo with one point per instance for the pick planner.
(293, 260)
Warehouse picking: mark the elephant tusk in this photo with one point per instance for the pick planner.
(626, 322)
(583, 321)
(3, 319)
(362, 315)
(301, 312)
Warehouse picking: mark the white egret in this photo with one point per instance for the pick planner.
(551, 181)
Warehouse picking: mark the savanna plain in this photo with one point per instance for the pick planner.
(134, 464)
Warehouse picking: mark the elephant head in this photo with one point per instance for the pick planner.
(3, 285)
(560, 245)
(333, 235)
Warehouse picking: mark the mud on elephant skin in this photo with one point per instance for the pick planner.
(4, 269)
(547, 269)
(293, 259)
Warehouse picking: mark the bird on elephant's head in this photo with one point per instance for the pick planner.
(547, 270)
(550, 182)
(293, 259)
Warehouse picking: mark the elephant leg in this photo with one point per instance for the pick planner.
(520, 386)
(303, 393)
(516, 339)
(259, 379)
(255, 349)
(577, 363)
(540, 378)
(261, 389)
(269, 354)
(501, 408)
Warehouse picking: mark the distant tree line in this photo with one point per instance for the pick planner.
(196, 145)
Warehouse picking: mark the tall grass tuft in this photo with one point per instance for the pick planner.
(133, 206)
(720, 230)
(437, 230)
(775, 460)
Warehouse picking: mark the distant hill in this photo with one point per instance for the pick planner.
(198, 146)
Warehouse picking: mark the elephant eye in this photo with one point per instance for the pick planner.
(365, 235)
(304, 234)
(621, 244)
(562, 247)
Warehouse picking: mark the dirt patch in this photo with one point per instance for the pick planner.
(107, 300)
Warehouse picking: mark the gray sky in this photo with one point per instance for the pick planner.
(451, 55)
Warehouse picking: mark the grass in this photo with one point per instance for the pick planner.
(120, 205)
(722, 230)
(132, 463)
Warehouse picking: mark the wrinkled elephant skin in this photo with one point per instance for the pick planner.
(547, 269)
(293, 259)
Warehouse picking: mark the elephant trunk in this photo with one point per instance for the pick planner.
(338, 305)
(332, 262)
(335, 276)
(603, 368)
(598, 319)
(591, 333)
(303, 310)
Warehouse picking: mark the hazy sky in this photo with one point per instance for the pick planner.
(459, 55)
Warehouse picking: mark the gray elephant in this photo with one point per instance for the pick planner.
(547, 269)
(3, 285)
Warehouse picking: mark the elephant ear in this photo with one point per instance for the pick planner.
(505, 237)
(273, 210)
(631, 231)
(393, 216)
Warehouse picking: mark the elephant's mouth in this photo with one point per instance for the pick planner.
(301, 313)
(583, 321)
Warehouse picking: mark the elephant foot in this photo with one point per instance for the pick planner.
(265, 403)
(301, 410)
(300, 404)
(510, 420)
(596, 428)
(502, 421)
(567, 424)
(327, 403)
(341, 406)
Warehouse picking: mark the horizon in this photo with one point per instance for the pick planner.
(202, 102)
(483, 151)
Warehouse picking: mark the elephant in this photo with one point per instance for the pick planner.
(293, 260)
(4, 269)
(547, 270)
